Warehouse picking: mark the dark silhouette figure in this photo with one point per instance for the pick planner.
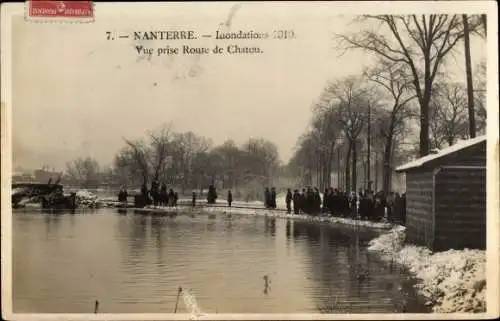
(229, 198)
(296, 202)
(176, 198)
(267, 198)
(171, 197)
(122, 195)
(288, 201)
(273, 198)
(303, 201)
(193, 200)
(163, 195)
(317, 201)
(211, 195)
(154, 192)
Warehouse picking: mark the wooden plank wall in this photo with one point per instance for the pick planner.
(460, 209)
(419, 221)
(472, 156)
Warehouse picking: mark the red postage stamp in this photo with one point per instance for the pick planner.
(74, 11)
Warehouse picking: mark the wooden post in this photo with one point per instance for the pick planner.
(177, 301)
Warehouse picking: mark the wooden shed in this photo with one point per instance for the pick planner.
(446, 197)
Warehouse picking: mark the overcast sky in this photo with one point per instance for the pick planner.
(77, 94)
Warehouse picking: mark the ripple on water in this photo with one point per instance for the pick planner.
(239, 264)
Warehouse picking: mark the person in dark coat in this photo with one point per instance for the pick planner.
(310, 201)
(176, 198)
(163, 195)
(353, 204)
(296, 202)
(303, 201)
(193, 199)
(155, 192)
(145, 195)
(171, 197)
(273, 198)
(317, 201)
(121, 196)
(326, 200)
(229, 198)
(334, 202)
(267, 198)
(390, 204)
(288, 201)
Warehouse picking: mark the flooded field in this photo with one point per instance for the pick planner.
(240, 264)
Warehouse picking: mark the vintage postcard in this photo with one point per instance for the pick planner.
(249, 160)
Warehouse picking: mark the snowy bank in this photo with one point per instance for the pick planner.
(272, 213)
(452, 281)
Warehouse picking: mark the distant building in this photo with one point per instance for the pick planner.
(22, 177)
(43, 175)
(446, 197)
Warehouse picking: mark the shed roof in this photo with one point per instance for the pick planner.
(449, 150)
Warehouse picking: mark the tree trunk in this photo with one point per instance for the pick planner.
(386, 176)
(339, 171)
(375, 188)
(468, 72)
(424, 102)
(368, 173)
(347, 167)
(354, 165)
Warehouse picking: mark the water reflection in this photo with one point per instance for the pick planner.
(270, 226)
(234, 264)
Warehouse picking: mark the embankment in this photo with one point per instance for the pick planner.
(452, 281)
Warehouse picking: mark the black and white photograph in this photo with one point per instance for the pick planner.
(249, 160)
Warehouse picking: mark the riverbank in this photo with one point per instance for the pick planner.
(253, 211)
(451, 281)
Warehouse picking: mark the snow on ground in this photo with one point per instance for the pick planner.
(86, 198)
(452, 281)
(282, 215)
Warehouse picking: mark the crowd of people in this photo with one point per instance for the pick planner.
(363, 205)
(158, 195)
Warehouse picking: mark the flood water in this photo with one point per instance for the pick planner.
(133, 263)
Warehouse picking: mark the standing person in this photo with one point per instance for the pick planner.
(171, 197)
(326, 200)
(296, 202)
(288, 201)
(390, 201)
(193, 199)
(353, 204)
(176, 198)
(309, 201)
(273, 197)
(163, 195)
(229, 198)
(154, 192)
(267, 198)
(303, 201)
(317, 201)
(144, 194)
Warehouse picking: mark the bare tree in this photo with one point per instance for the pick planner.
(480, 96)
(351, 97)
(146, 158)
(83, 171)
(419, 42)
(449, 118)
(392, 79)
